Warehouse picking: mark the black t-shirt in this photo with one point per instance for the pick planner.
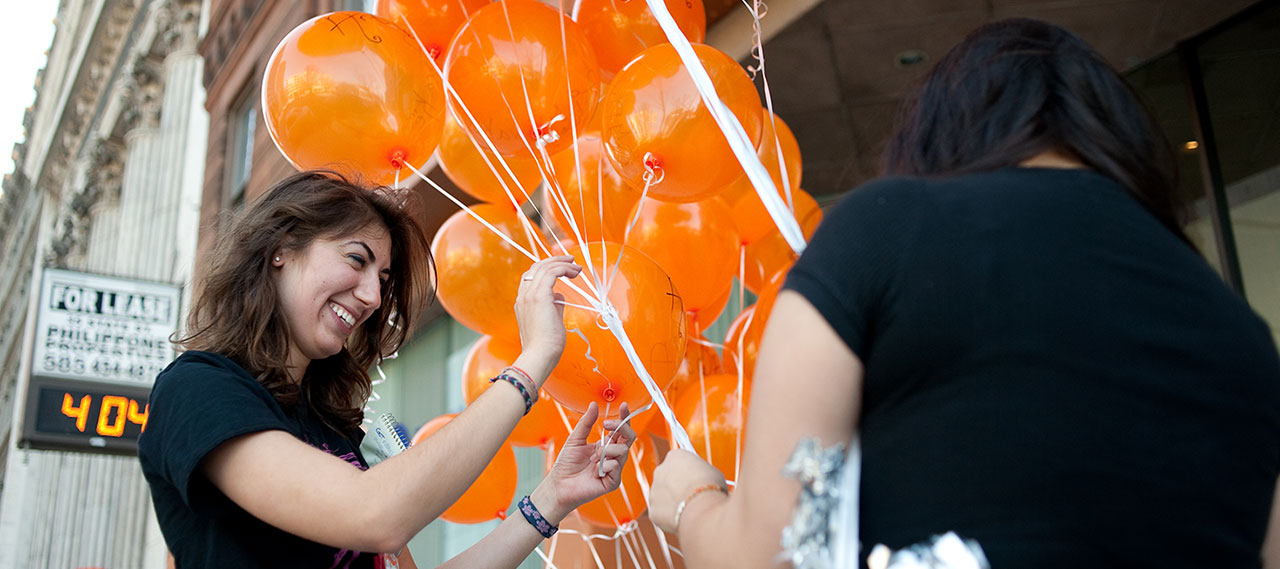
(1049, 371)
(200, 401)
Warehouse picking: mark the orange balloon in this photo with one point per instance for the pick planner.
(665, 232)
(742, 342)
(509, 64)
(627, 502)
(596, 196)
(433, 21)
(464, 162)
(352, 92)
(749, 214)
(478, 273)
(491, 493)
(487, 357)
(700, 319)
(654, 116)
(594, 366)
(700, 360)
(771, 254)
(714, 412)
(620, 29)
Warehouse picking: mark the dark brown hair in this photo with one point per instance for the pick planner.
(236, 311)
(1016, 88)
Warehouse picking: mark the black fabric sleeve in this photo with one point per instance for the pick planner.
(196, 405)
(849, 266)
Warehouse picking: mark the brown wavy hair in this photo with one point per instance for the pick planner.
(236, 311)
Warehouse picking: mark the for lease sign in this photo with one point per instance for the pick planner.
(102, 328)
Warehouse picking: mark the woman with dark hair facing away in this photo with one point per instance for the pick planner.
(1028, 348)
(252, 446)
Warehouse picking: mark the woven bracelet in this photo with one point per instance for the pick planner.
(528, 399)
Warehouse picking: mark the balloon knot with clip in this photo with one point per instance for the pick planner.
(546, 135)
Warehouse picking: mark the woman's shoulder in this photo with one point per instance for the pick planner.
(200, 368)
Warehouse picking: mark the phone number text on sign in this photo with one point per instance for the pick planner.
(103, 328)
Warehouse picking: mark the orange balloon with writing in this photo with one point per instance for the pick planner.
(714, 412)
(354, 93)
(594, 366)
(487, 357)
(620, 29)
(479, 172)
(695, 243)
(521, 79)
(749, 213)
(433, 21)
(656, 125)
(588, 185)
(771, 255)
(478, 272)
(491, 493)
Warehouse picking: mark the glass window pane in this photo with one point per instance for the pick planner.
(1162, 86)
(1241, 66)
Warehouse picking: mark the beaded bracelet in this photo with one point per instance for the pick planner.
(685, 502)
(529, 399)
(535, 518)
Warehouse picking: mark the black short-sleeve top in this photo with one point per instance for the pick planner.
(1049, 371)
(200, 401)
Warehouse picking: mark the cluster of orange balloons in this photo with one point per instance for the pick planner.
(594, 122)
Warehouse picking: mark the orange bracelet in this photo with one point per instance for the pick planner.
(685, 502)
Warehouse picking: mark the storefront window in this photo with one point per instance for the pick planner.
(1236, 70)
(1241, 72)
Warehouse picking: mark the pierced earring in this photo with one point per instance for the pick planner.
(277, 258)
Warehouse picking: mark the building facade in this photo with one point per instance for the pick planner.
(107, 182)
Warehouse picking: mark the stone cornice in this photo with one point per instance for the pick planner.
(88, 83)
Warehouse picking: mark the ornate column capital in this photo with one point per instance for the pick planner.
(143, 96)
(178, 22)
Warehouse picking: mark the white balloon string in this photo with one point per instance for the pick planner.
(758, 9)
(643, 545)
(626, 235)
(739, 356)
(706, 421)
(732, 129)
(494, 149)
(666, 547)
(705, 342)
(545, 558)
(564, 418)
(648, 183)
(739, 411)
(581, 306)
(600, 459)
(742, 276)
(470, 117)
(490, 226)
(627, 540)
(678, 434)
(559, 200)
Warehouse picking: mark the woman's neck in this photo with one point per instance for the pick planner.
(297, 366)
(1052, 159)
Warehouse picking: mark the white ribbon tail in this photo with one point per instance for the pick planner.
(732, 129)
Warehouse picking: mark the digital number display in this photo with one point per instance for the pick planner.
(79, 415)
